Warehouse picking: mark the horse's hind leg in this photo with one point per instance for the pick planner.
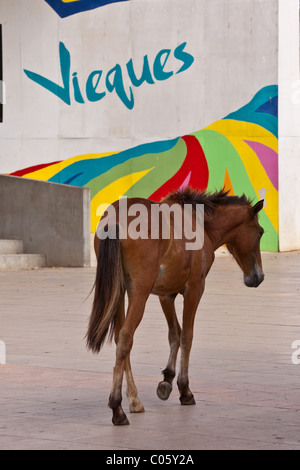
(135, 405)
(168, 305)
(125, 340)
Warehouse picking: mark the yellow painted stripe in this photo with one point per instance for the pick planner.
(245, 131)
(236, 134)
(46, 173)
(258, 178)
(111, 193)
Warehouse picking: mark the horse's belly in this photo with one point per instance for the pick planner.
(170, 280)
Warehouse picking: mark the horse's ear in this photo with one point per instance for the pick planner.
(258, 207)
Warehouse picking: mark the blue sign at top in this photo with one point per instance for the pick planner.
(70, 7)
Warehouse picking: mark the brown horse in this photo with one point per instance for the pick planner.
(165, 267)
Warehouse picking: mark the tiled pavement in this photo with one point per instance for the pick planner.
(53, 392)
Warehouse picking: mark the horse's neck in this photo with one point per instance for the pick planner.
(222, 224)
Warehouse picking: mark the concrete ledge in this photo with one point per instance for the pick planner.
(52, 219)
(11, 247)
(13, 262)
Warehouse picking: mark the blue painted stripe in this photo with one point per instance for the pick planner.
(71, 8)
(70, 180)
(251, 112)
(80, 173)
(270, 107)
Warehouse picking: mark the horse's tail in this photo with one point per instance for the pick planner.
(109, 286)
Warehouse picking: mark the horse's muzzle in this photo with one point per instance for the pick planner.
(255, 278)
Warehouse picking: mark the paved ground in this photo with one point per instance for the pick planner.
(53, 393)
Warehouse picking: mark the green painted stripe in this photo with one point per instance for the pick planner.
(164, 166)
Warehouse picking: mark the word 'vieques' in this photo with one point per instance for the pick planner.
(114, 77)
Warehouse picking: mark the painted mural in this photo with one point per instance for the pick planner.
(98, 87)
(66, 8)
(239, 152)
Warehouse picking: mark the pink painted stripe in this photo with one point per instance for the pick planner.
(186, 182)
(268, 158)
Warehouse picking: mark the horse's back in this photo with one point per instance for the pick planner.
(160, 265)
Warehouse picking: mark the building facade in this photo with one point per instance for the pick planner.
(141, 97)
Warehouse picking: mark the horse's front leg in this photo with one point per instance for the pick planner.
(168, 305)
(124, 344)
(192, 298)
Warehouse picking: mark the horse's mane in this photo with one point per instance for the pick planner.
(210, 200)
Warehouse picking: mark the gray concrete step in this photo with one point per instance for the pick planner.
(11, 247)
(11, 262)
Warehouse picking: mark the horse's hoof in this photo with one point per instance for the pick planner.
(188, 401)
(164, 390)
(120, 420)
(136, 406)
(125, 422)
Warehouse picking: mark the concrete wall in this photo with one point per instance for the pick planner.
(289, 126)
(51, 219)
(233, 43)
(88, 93)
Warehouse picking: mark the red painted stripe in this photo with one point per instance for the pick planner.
(194, 163)
(30, 169)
